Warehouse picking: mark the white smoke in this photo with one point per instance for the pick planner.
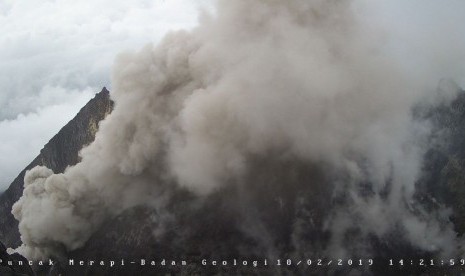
(299, 77)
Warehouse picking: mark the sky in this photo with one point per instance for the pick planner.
(56, 54)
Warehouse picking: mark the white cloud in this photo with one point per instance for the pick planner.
(22, 137)
(72, 44)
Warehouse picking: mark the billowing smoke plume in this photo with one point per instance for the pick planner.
(293, 80)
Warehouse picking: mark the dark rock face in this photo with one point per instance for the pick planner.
(282, 215)
(217, 228)
(60, 152)
(288, 206)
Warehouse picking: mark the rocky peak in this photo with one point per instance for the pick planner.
(60, 152)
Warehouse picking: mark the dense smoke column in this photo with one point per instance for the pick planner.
(294, 82)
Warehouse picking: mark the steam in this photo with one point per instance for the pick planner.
(300, 78)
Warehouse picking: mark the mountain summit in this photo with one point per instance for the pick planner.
(59, 153)
(291, 212)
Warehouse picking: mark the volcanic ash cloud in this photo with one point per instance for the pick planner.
(299, 77)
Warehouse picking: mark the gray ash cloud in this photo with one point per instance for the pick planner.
(292, 106)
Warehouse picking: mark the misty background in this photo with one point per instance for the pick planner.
(56, 54)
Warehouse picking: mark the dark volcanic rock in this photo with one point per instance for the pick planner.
(288, 203)
(216, 228)
(280, 216)
(60, 152)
